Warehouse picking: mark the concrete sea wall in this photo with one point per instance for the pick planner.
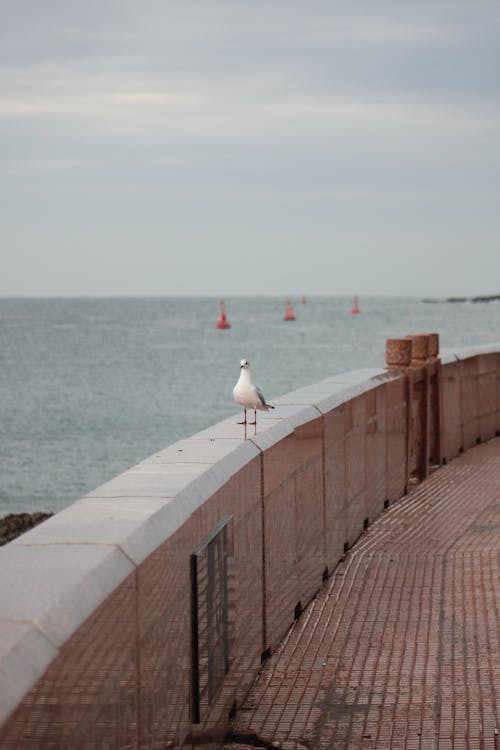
(139, 616)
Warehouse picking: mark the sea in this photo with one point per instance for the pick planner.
(90, 387)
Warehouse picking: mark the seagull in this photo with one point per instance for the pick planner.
(248, 395)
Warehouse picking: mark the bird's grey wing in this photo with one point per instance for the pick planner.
(261, 396)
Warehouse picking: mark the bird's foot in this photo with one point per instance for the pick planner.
(245, 422)
(254, 422)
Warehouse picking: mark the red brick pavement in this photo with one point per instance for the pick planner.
(400, 649)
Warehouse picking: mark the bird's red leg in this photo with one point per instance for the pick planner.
(245, 417)
(254, 417)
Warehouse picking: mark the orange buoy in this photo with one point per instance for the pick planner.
(355, 305)
(289, 311)
(222, 322)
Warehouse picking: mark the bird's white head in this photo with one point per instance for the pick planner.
(244, 364)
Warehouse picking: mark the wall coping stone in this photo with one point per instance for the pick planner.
(21, 645)
(447, 356)
(57, 586)
(295, 415)
(467, 352)
(357, 376)
(48, 589)
(332, 392)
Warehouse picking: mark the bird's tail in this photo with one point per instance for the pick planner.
(269, 406)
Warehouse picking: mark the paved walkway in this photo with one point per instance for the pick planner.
(401, 647)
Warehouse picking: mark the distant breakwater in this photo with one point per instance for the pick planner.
(487, 298)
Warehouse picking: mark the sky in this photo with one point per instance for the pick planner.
(164, 147)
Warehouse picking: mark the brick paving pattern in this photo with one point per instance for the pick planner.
(400, 649)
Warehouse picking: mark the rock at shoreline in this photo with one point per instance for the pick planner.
(15, 524)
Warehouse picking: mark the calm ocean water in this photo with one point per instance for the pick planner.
(89, 387)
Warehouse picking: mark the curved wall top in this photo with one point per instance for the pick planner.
(325, 462)
(55, 575)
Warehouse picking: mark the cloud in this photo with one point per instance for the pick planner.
(378, 31)
(110, 100)
(24, 166)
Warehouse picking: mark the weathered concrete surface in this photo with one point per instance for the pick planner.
(400, 649)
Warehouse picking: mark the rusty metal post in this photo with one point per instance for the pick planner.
(398, 354)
